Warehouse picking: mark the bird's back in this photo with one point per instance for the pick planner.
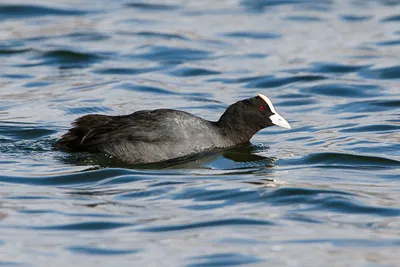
(144, 136)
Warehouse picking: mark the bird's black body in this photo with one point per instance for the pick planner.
(156, 135)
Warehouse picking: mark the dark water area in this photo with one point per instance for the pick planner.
(325, 193)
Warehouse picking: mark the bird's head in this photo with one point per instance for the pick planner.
(246, 117)
(257, 111)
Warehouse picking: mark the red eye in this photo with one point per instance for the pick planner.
(261, 108)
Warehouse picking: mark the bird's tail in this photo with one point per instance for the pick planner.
(71, 141)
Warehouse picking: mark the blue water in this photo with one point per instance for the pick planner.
(325, 193)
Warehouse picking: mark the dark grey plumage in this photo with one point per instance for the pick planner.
(156, 135)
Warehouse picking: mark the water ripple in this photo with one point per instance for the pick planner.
(270, 82)
(63, 59)
(349, 242)
(187, 72)
(355, 18)
(12, 51)
(151, 7)
(372, 128)
(84, 226)
(262, 5)
(344, 205)
(336, 68)
(217, 223)
(253, 35)
(172, 55)
(394, 18)
(341, 159)
(389, 43)
(73, 179)
(367, 106)
(86, 110)
(18, 132)
(226, 259)
(304, 18)
(154, 90)
(123, 71)
(93, 251)
(169, 36)
(24, 11)
(382, 73)
(344, 90)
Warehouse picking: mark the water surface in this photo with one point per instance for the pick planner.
(326, 191)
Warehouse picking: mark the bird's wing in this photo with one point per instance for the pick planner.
(142, 126)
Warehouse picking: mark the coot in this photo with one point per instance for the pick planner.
(148, 136)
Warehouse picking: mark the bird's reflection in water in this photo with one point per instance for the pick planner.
(239, 157)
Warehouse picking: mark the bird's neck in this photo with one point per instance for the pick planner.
(236, 127)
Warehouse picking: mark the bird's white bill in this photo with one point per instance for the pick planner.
(278, 120)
